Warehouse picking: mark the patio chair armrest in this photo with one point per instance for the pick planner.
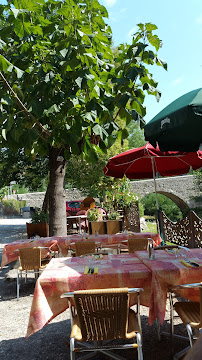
(186, 286)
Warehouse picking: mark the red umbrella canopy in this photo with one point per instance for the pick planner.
(137, 163)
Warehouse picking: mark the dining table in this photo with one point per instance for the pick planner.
(157, 276)
(171, 268)
(69, 274)
(76, 219)
(10, 252)
(105, 240)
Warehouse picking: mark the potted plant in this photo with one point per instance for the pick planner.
(38, 225)
(95, 221)
(113, 222)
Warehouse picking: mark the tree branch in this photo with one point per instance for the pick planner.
(37, 126)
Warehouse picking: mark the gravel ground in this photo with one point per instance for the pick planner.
(53, 340)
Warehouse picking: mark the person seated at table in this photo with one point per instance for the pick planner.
(88, 203)
(84, 222)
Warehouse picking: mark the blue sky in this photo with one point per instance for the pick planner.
(179, 25)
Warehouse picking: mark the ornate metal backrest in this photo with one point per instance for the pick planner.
(186, 232)
(133, 218)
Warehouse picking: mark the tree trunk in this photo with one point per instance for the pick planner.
(56, 193)
(45, 206)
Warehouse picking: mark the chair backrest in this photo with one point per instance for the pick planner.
(102, 314)
(30, 258)
(200, 291)
(137, 244)
(84, 247)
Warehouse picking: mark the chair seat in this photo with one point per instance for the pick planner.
(42, 267)
(189, 312)
(133, 327)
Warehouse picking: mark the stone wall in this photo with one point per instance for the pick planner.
(180, 189)
(36, 199)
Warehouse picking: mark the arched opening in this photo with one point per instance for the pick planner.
(170, 204)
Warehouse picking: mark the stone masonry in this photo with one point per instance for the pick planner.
(179, 189)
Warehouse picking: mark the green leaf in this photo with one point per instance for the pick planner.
(162, 63)
(52, 110)
(98, 130)
(79, 81)
(124, 134)
(154, 41)
(139, 108)
(6, 100)
(64, 52)
(15, 12)
(123, 100)
(4, 134)
(4, 64)
(21, 28)
(150, 27)
(19, 72)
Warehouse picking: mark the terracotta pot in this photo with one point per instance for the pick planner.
(41, 229)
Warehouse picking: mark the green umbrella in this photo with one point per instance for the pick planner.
(179, 125)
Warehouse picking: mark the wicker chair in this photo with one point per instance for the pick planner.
(30, 260)
(191, 315)
(85, 247)
(101, 315)
(134, 245)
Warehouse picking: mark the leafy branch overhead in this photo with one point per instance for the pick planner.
(61, 84)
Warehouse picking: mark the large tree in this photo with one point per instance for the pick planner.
(60, 93)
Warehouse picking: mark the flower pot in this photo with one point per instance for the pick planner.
(41, 229)
(113, 226)
(97, 227)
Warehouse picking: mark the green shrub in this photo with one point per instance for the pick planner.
(94, 214)
(13, 207)
(171, 210)
(40, 217)
(113, 215)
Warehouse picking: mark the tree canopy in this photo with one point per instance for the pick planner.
(60, 94)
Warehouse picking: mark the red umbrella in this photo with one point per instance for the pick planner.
(144, 162)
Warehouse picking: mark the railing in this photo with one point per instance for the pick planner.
(186, 232)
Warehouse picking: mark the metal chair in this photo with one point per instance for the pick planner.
(104, 315)
(191, 315)
(30, 260)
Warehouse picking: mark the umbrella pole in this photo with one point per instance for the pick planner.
(157, 204)
(154, 177)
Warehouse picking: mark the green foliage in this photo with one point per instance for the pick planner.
(39, 217)
(26, 171)
(57, 59)
(165, 204)
(120, 196)
(94, 215)
(59, 87)
(151, 227)
(3, 192)
(13, 207)
(198, 212)
(113, 215)
(136, 136)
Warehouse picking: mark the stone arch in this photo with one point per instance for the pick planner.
(180, 189)
(176, 199)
